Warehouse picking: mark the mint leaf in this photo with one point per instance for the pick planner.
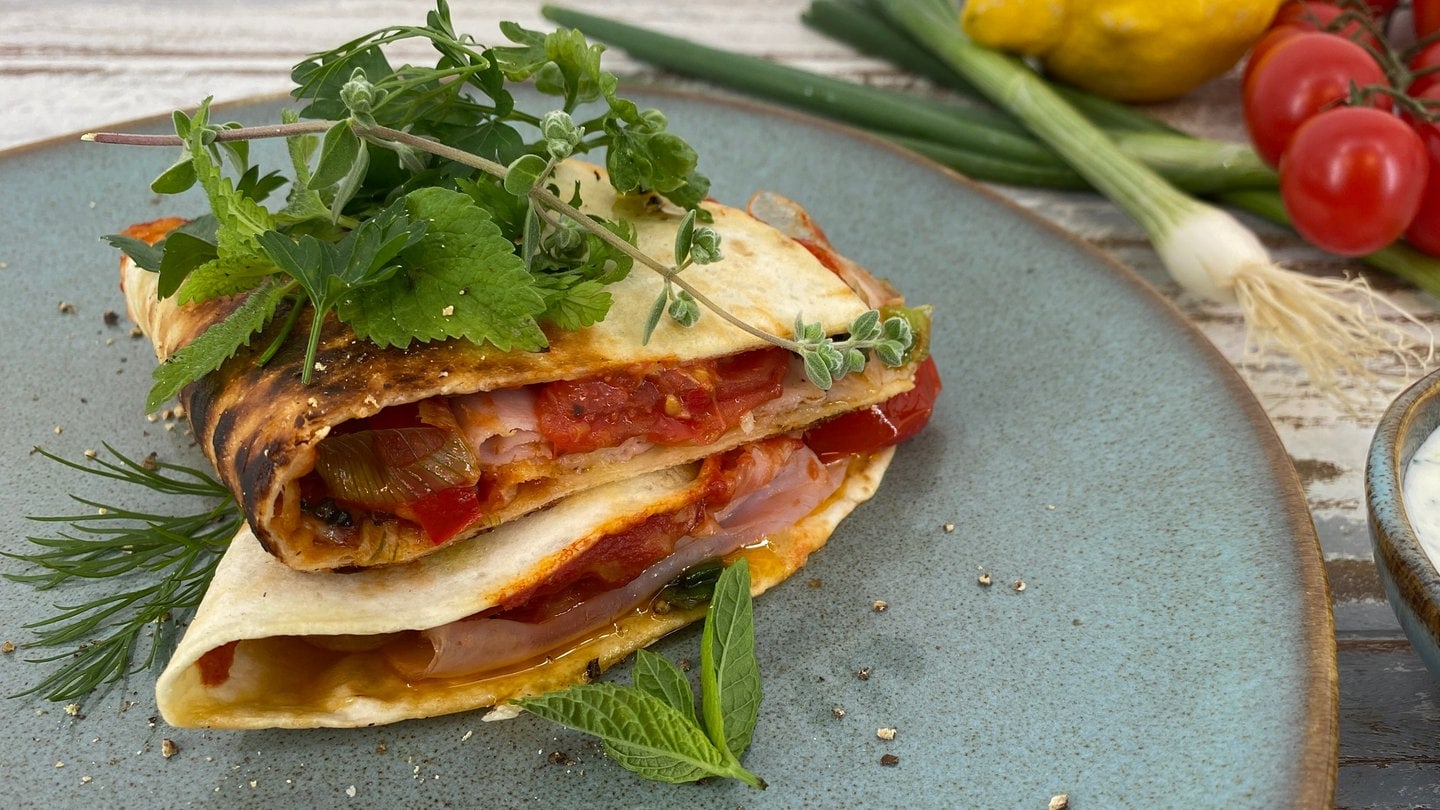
(462, 280)
(651, 728)
(641, 732)
(144, 254)
(184, 252)
(729, 671)
(216, 344)
(658, 676)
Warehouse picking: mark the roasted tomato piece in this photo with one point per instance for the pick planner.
(890, 422)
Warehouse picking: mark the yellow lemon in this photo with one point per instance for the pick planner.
(1129, 50)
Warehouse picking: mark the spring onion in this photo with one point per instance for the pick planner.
(1205, 249)
(985, 144)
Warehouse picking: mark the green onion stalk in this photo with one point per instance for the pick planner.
(1030, 132)
(1205, 249)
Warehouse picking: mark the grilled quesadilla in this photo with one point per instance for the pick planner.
(391, 454)
(534, 605)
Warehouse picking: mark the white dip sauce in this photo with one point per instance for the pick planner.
(1422, 496)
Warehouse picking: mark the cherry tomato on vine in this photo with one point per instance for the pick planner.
(1425, 62)
(1321, 16)
(1424, 231)
(1300, 76)
(1352, 179)
(1425, 15)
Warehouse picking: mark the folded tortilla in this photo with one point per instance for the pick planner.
(260, 426)
(271, 646)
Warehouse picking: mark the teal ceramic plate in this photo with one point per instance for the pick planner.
(1172, 642)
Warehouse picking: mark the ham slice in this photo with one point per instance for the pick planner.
(766, 487)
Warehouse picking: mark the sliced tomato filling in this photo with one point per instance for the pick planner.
(881, 425)
(431, 462)
(690, 403)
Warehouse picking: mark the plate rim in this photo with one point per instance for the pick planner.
(1318, 769)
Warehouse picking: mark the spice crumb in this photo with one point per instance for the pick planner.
(67, 308)
(72, 709)
(111, 317)
(880, 606)
(468, 735)
(837, 711)
(1019, 585)
(1059, 802)
(949, 527)
(350, 791)
(863, 673)
(85, 780)
(319, 366)
(7, 647)
(889, 760)
(560, 758)
(59, 430)
(886, 734)
(448, 311)
(168, 748)
(984, 579)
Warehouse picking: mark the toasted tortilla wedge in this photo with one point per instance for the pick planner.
(307, 645)
(260, 426)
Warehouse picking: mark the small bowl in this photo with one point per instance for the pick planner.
(1411, 580)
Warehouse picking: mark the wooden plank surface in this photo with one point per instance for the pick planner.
(69, 65)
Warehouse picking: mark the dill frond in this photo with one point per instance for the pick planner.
(160, 566)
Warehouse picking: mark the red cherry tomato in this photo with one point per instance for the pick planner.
(1318, 16)
(1424, 231)
(1263, 46)
(1425, 62)
(1425, 15)
(1352, 179)
(891, 422)
(1300, 76)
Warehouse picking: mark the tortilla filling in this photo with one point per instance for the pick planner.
(742, 496)
(445, 462)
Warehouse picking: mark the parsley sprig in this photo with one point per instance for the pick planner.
(383, 155)
(166, 561)
(651, 727)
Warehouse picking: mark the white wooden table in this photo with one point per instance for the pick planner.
(70, 65)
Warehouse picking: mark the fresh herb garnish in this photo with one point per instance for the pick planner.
(169, 558)
(651, 727)
(445, 143)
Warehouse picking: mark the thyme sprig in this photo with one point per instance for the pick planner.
(169, 559)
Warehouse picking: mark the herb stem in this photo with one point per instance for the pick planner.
(232, 134)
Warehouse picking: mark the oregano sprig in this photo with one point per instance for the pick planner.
(651, 726)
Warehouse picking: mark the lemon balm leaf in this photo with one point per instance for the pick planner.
(462, 279)
(217, 344)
